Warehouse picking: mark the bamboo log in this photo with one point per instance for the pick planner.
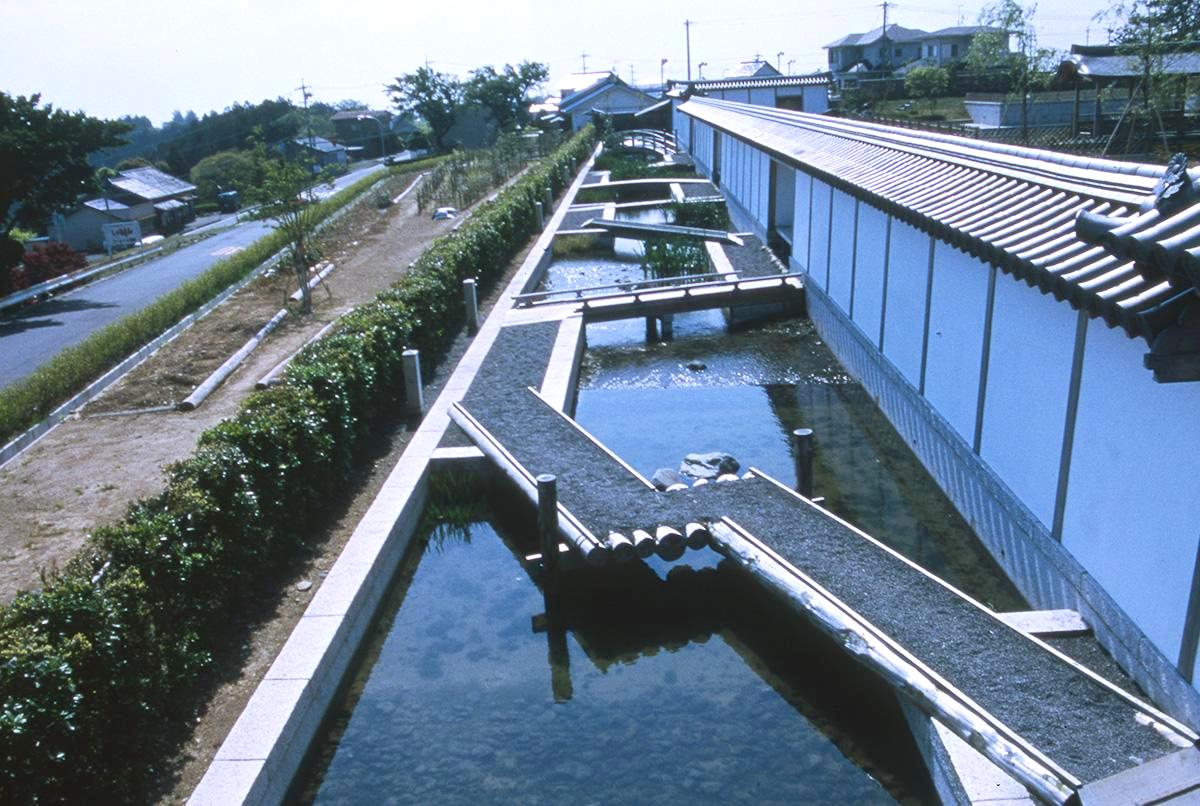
(321, 275)
(621, 546)
(727, 477)
(670, 539)
(233, 362)
(698, 535)
(643, 543)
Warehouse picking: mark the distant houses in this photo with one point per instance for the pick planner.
(607, 94)
(153, 200)
(318, 151)
(882, 51)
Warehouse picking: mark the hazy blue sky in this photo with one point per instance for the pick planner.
(115, 57)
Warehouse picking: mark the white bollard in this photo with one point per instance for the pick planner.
(414, 395)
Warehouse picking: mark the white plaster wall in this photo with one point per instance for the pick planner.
(762, 97)
(954, 354)
(785, 193)
(868, 270)
(681, 123)
(908, 269)
(818, 254)
(841, 250)
(763, 196)
(816, 100)
(1029, 377)
(1132, 512)
(800, 221)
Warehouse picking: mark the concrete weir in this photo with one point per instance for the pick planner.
(1010, 710)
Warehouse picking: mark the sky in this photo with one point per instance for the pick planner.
(136, 57)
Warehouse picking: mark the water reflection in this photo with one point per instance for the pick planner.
(663, 688)
(755, 388)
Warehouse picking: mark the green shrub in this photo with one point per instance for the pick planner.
(111, 647)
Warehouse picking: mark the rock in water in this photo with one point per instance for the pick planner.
(697, 366)
(708, 465)
(664, 477)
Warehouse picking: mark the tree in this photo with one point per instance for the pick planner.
(285, 196)
(226, 170)
(1029, 66)
(431, 95)
(503, 93)
(43, 165)
(1148, 32)
(927, 82)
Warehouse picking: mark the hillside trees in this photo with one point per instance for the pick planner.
(440, 99)
(226, 170)
(43, 165)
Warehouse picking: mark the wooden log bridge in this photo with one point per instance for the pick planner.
(1063, 731)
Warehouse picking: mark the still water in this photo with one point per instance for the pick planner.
(665, 686)
(756, 386)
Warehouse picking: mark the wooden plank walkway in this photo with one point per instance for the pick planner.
(1043, 718)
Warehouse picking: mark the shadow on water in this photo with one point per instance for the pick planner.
(688, 685)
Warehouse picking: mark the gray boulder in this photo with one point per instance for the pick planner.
(708, 465)
(664, 477)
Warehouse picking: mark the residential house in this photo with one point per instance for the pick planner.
(755, 68)
(320, 151)
(156, 201)
(881, 51)
(607, 94)
(363, 129)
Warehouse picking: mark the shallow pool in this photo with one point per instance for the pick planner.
(687, 685)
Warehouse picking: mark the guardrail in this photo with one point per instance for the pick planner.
(74, 278)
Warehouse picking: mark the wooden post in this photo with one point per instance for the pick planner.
(414, 396)
(1075, 110)
(471, 304)
(802, 447)
(560, 663)
(651, 330)
(547, 491)
(668, 327)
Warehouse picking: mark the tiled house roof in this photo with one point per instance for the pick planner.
(1014, 207)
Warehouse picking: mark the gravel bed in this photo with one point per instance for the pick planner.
(753, 259)
(574, 219)
(695, 190)
(1084, 727)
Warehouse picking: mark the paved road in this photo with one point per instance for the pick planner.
(36, 334)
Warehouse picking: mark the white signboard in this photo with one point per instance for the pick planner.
(123, 235)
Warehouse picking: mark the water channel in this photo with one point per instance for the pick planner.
(663, 683)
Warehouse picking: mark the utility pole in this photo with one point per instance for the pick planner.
(584, 56)
(305, 94)
(662, 74)
(886, 51)
(779, 61)
(632, 82)
(687, 27)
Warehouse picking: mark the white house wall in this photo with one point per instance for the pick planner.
(953, 356)
(1043, 426)
(1132, 514)
(1025, 404)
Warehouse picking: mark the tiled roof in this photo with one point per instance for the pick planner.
(761, 82)
(960, 30)
(150, 184)
(319, 144)
(1114, 65)
(895, 33)
(1014, 207)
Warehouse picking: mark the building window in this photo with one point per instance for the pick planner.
(899, 52)
(953, 51)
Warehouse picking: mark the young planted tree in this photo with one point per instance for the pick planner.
(1028, 67)
(43, 165)
(927, 82)
(285, 196)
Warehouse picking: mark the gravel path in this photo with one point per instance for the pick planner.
(1082, 725)
(753, 259)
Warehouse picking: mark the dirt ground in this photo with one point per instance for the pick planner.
(86, 472)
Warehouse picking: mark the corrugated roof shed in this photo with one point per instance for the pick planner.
(151, 184)
(319, 144)
(1109, 64)
(104, 205)
(1014, 207)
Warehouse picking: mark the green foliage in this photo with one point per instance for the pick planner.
(1029, 66)
(707, 215)
(431, 95)
(927, 82)
(674, 257)
(43, 165)
(110, 648)
(635, 166)
(285, 196)
(226, 170)
(504, 93)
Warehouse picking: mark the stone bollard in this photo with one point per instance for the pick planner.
(471, 305)
(414, 395)
(802, 447)
(539, 212)
(549, 200)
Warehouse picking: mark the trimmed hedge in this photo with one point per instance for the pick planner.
(28, 401)
(113, 645)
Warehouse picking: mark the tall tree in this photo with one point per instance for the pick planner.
(432, 96)
(504, 92)
(43, 164)
(1029, 66)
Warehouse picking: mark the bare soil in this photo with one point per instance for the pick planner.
(114, 451)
